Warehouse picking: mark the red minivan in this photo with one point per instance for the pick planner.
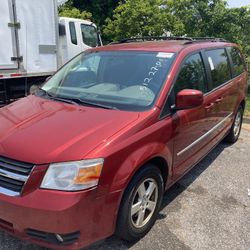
(91, 153)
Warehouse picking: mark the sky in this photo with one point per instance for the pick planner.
(238, 3)
(231, 3)
(61, 1)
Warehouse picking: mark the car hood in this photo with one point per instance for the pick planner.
(42, 131)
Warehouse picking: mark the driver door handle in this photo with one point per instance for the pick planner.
(209, 106)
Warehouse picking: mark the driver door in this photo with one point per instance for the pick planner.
(192, 126)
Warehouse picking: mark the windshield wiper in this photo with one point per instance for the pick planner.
(60, 99)
(56, 98)
(75, 101)
(94, 104)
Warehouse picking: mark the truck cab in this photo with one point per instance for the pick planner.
(35, 42)
(75, 36)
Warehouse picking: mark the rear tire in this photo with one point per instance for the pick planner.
(140, 204)
(235, 130)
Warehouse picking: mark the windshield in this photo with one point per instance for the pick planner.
(123, 80)
(90, 35)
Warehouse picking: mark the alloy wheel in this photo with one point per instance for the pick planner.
(144, 203)
(237, 123)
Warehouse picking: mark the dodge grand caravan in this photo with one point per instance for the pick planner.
(91, 153)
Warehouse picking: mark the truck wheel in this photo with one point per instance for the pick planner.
(234, 133)
(140, 204)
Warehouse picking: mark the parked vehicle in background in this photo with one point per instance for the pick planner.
(35, 42)
(92, 152)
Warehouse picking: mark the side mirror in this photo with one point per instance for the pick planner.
(33, 89)
(188, 99)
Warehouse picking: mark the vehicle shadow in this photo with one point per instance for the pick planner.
(173, 192)
(170, 195)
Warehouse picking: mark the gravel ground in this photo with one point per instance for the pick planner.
(207, 209)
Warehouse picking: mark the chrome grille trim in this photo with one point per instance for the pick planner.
(9, 192)
(13, 176)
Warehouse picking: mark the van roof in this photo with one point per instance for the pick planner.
(163, 45)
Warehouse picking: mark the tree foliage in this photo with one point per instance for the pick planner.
(74, 12)
(129, 18)
(238, 30)
(212, 18)
(142, 18)
(99, 9)
(200, 17)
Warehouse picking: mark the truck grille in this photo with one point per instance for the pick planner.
(13, 175)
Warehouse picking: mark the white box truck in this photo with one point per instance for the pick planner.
(35, 42)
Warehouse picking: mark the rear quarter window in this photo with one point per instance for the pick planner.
(238, 65)
(218, 66)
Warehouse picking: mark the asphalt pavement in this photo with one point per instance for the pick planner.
(207, 209)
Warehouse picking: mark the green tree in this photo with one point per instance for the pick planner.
(99, 9)
(212, 18)
(67, 11)
(141, 18)
(200, 17)
(238, 28)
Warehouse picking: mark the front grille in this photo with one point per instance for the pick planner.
(59, 239)
(13, 175)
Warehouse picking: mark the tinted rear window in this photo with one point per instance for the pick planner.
(238, 66)
(219, 66)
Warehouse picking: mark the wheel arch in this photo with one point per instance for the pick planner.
(157, 161)
(158, 154)
(163, 166)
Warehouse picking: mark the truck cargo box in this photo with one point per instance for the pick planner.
(28, 34)
(7, 36)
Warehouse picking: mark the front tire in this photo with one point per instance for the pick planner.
(234, 133)
(140, 204)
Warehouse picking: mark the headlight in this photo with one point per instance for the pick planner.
(73, 176)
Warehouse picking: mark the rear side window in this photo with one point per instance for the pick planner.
(219, 66)
(73, 35)
(237, 61)
(192, 75)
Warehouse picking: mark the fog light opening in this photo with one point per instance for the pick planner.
(54, 238)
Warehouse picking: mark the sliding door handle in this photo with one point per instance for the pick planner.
(218, 100)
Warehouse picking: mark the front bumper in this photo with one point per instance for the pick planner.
(86, 213)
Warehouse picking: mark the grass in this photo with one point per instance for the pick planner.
(247, 112)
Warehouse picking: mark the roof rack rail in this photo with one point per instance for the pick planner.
(206, 39)
(169, 38)
(151, 38)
